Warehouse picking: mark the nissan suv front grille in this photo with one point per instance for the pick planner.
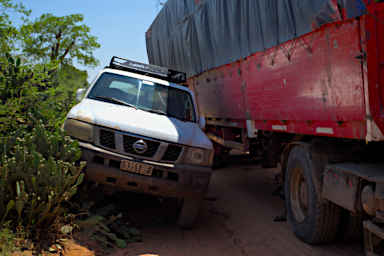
(107, 139)
(172, 153)
(138, 146)
(142, 147)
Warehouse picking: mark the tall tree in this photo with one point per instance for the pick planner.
(59, 39)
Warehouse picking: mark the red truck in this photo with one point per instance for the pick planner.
(299, 83)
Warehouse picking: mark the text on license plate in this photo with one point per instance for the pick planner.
(139, 168)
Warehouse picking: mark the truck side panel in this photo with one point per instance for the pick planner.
(298, 87)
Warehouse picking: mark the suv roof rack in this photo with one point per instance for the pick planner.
(148, 70)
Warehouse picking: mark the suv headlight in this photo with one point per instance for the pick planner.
(79, 130)
(198, 156)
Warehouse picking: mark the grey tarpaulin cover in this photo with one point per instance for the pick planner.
(196, 35)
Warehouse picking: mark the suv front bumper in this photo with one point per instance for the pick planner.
(168, 180)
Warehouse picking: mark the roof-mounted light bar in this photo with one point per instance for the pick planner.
(148, 70)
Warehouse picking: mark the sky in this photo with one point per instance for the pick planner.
(119, 25)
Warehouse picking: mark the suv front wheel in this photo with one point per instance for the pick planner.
(190, 210)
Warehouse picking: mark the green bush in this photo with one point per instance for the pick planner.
(38, 175)
(39, 166)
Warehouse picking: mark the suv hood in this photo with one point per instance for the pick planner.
(140, 122)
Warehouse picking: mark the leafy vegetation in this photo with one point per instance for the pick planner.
(40, 168)
(39, 165)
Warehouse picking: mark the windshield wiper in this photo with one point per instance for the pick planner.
(114, 100)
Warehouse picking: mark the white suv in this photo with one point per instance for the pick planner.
(140, 131)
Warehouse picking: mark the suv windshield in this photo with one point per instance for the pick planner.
(144, 95)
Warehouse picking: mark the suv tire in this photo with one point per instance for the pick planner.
(189, 211)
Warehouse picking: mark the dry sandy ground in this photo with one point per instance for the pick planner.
(236, 220)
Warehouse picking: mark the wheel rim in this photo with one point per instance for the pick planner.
(299, 195)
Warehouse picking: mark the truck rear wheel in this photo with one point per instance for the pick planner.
(313, 220)
(189, 211)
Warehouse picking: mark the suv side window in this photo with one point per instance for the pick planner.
(177, 98)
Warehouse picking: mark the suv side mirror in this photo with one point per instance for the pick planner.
(202, 122)
(80, 94)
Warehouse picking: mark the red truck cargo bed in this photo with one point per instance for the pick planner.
(328, 83)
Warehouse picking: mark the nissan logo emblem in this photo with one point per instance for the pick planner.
(140, 147)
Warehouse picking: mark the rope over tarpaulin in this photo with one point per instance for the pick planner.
(195, 36)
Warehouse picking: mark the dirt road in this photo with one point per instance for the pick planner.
(236, 220)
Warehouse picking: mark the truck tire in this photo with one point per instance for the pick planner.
(313, 220)
(189, 211)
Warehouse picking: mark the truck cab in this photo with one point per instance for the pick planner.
(139, 131)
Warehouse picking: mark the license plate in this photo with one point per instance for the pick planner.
(133, 167)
